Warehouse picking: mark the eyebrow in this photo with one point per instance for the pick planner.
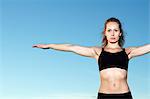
(115, 28)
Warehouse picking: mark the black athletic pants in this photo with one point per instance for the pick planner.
(127, 95)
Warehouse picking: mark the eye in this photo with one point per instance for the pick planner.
(116, 30)
(108, 30)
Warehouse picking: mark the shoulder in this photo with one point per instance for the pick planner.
(97, 49)
(129, 49)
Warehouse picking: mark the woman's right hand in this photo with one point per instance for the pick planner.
(43, 46)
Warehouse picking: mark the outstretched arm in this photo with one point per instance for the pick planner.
(83, 51)
(138, 51)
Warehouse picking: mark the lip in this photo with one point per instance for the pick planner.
(112, 38)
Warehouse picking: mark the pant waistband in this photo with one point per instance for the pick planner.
(126, 93)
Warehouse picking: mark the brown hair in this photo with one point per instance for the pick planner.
(121, 39)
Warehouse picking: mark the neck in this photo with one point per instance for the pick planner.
(112, 45)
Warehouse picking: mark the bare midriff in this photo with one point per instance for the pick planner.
(113, 80)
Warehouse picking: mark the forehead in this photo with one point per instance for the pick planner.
(112, 25)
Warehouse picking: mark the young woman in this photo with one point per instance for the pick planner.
(112, 59)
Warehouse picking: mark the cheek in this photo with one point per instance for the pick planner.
(118, 34)
(107, 34)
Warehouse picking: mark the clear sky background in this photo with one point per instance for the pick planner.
(28, 73)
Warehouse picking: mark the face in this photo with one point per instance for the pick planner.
(112, 32)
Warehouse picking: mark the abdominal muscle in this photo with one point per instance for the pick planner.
(113, 80)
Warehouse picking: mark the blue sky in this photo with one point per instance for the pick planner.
(34, 73)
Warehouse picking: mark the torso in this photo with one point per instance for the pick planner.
(113, 80)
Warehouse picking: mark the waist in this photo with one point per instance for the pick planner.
(126, 95)
(114, 86)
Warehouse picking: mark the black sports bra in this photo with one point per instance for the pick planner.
(110, 60)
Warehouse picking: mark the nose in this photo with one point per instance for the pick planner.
(112, 33)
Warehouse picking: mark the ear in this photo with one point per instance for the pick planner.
(120, 34)
(104, 33)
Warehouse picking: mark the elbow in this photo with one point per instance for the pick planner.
(72, 48)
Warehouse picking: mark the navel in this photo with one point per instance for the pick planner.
(114, 85)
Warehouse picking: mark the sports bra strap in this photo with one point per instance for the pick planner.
(123, 49)
(102, 49)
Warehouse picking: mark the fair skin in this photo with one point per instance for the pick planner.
(113, 80)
